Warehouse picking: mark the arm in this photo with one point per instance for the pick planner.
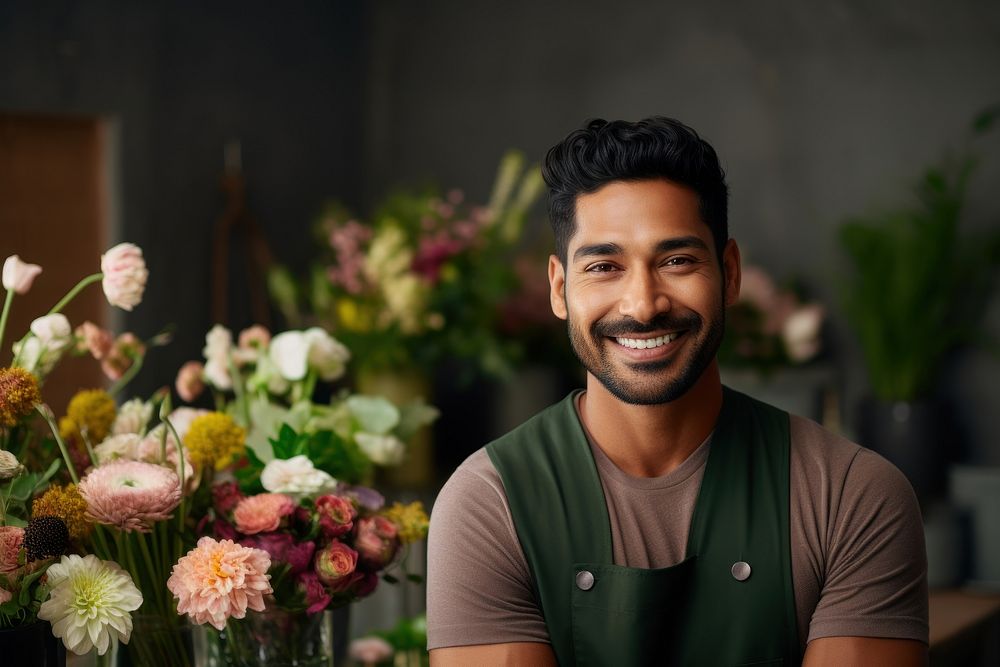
(495, 655)
(864, 652)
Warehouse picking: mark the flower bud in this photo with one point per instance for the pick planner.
(18, 276)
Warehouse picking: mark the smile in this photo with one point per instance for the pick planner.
(646, 343)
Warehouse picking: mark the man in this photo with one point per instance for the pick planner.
(657, 517)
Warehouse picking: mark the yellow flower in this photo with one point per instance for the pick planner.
(411, 519)
(91, 409)
(66, 503)
(214, 440)
(351, 316)
(18, 395)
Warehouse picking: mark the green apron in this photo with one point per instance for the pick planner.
(729, 602)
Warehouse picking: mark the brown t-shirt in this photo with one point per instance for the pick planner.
(858, 560)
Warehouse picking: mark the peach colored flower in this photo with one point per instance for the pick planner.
(18, 276)
(123, 353)
(219, 580)
(335, 565)
(11, 540)
(92, 338)
(125, 275)
(253, 342)
(130, 495)
(377, 540)
(189, 384)
(262, 513)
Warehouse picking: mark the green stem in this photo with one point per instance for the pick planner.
(47, 416)
(76, 290)
(239, 390)
(154, 573)
(127, 376)
(181, 474)
(3, 316)
(102, 544)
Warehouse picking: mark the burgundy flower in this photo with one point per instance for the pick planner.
(336, 515)
(223, 530)
(225, 496)
(365, 585)
(377, 541)
(300, 555)
(316, 595)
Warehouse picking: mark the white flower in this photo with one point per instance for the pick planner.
(327, 356)
(801, 332)
(121, 446)
(295, 475)
(18, 276)
(29, 354)
(89, 603)
(290, 354)
(266, 376)
(53, 331)
(125, 275)
(10, 467)
(132, 417)
(385, 450)
(218, 346)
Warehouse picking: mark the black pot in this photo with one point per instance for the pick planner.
(31, 645)
(916, 436)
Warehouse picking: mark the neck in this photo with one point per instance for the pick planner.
(652, 440)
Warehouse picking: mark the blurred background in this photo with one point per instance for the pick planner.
(231, 141)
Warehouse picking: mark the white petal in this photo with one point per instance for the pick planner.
(290, 352)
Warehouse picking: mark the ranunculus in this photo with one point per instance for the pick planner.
(316, 596)
(218, 346)
(130, 495)
(252, 343)
(335, 565)
(92, 338)
(11, 540)
(262, 513)
(189, 384)
(53, 331)
(125, 275)
(381, 449)
(10, 467)
(123, 353)
(18, 276)
(296, 475)
(132, 417)
(377, 541)
(326, 355)
(182, 417)
(336, 515)
(226, 496)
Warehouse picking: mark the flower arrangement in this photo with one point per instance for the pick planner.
(423, 280)
(770, 326)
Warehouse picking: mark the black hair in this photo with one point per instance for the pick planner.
(653, 148)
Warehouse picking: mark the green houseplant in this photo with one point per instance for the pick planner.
(918, 293)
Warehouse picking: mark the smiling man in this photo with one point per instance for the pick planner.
(656, 517)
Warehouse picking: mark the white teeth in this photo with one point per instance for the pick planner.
(646, 343)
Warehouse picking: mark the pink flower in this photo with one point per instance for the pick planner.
(125, 275)
(92, 338)
(130, 495)
(189, 384)
(253, 342)
(226, 496)
(316, 596)
(370, 650)
(11, 539)
(377, 541)
(335, 565)
(123, 353)
(5, 595)
(219, 580)
(299, 557)
(276, 545)
(336, 515)
(18, 276)
(262, 513)
(365, 585)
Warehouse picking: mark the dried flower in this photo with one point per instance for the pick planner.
(18, 276)
(214, 440)
(66, 503)
(296, 475)
(125, 275)
(411, 519)
(45, 536)
(130, 495)
(90, 603)
(10, 467)
(11, 541)
(335, 565)
(189, 384)
(18, 395)
(219, 580)
(92, 410)
(262, 513)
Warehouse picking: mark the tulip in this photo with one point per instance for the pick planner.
(18, 276)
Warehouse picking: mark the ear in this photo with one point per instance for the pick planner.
(731, 267)
(557, 287)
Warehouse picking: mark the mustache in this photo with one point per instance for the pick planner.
(627, 325)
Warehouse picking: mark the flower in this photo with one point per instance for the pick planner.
(801, 332)
(92, 338)
(122, 446)
(189, 384)
(377, 541)
(295, 475)
(123, 353)
(133, 415)
(252, 342)
(326, 355)
(411, 519)
(381, 449)
(90, 603)
(90, 410)
(336, 515)
(317, 598)
(54, 331)
(219, 580)
(66, 503)
(125, 275)
(335, 565)
(44, 537)
(214, 440)
(370, 650)
(225, 496)
(290, 354)
(18, 276)
(18, 395)
(10, 467)
(130, 495)
(5, 595)
(11, 541)
(218, 345)
(262, 513)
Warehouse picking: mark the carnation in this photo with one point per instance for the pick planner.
(262, 513)
(216, 581)
(90, 603)
(130, 495)
(92, 338)
(125, 275)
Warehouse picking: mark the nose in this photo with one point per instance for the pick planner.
(644, 297)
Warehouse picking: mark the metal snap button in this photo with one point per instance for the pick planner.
(741, 571)
(584, 580)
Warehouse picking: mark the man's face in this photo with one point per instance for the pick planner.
(642, 289)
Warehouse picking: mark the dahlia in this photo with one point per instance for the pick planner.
(262, 513)
(18, 395)
(130, 495)
(89, 603)
(214, 440)
(219, 580)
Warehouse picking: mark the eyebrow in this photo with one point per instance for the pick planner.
(666, 245)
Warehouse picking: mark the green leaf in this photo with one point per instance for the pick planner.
(414, 416)
(390, 579)
(415, 578)
(374, 414)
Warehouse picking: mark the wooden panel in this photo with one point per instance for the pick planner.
(52, 212)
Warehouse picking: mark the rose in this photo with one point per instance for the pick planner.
(295, 475)
(377, 541)
(11, 540)
(18, 276)
(125, 275)
(189, 384)
(316, 596)
(336, 515)
(335, 565)
(275, 544)
(365, 585)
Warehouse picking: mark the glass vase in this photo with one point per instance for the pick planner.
(279, 638)
(157, 642)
